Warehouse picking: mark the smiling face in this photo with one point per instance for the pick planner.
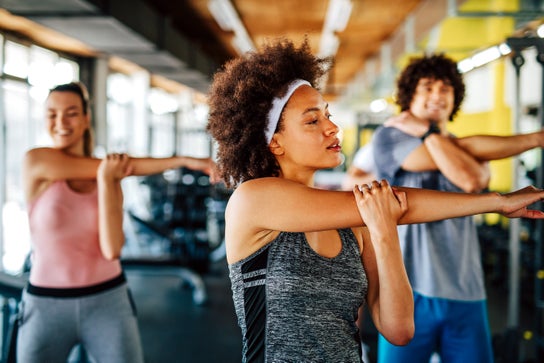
(66, 121)
(307, 140)
(433, 99)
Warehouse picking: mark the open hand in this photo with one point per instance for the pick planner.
(517, 202)
(379, 205)
(114, 167)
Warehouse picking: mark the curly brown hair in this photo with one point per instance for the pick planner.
(240, 98)
(437, 67)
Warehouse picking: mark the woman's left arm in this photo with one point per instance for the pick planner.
(111, 171)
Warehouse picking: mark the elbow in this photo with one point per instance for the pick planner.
(405, 335)
(473, 185)
(475, 182)
(111, 255)
(402, 334)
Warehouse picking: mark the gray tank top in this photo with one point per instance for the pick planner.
(294, 305)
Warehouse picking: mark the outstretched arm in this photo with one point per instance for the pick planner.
(261, 206)
(148, 166)
(430, 205)
(281, 205)
(489, 147)
(389, 299)
(111, 171)
(49, 164)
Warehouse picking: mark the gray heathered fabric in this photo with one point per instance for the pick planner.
(442, 258)
(105, 323)
(311, 301)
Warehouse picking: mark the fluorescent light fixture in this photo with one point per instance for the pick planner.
(504, 49)
(338, 15)
(336, 20)
(486, 56)
(242, 44)
(328, 45)
(224, 14)
(540, 31)
(227, 18)
(465, 65)
(482, 58)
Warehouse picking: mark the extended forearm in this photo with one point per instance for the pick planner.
(148, 166)
(426, 205)
(490, 147)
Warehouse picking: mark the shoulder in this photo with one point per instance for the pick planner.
(255, 192)
(38, 152)
(245, 215)
(386, 133)
(265, 187)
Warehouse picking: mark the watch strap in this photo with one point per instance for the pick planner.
(433, 129)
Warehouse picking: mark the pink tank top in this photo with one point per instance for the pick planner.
(65, 248)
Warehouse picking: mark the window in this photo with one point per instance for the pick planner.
(28, 74)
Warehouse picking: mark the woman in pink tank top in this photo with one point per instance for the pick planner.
(75, 205)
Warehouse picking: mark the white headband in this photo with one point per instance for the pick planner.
(278, 103)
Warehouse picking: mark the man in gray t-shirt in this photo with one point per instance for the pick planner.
(442, 258)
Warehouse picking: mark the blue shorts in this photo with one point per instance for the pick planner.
(457, 330)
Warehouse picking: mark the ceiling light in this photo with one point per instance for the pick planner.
(228, 20)
(223, 13)
(378, 105)
(336, 20)
(338, 15)
(328, 45)
(242, 44)
(504, 49)
(465, 65)
(486, 56)
(540, 31)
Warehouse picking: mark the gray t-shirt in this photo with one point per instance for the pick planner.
(442, 258)
(294, 305)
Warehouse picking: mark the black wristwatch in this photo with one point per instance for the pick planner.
(433, 129)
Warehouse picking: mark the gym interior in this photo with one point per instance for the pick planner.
(148, 65)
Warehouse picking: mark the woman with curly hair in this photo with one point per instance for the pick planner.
(301, 259)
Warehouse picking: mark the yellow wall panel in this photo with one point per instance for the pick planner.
(489, 5)
(461, 33)
(497, 121)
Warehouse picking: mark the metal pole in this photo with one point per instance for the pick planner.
(515, 227)
(538, 233)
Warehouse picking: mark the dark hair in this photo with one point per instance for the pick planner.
(240, 98)
(437, 67)
(79, 89)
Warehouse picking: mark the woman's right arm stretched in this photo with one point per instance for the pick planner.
(280, 205)
(48, 164)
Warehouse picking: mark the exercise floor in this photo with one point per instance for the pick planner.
(176, 329)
